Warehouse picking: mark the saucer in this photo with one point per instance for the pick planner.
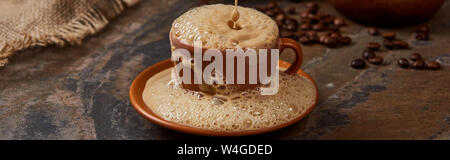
(138, 85)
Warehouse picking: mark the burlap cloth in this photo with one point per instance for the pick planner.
(30, 23)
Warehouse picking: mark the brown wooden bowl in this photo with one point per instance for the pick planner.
(388, 12)
(138, 85)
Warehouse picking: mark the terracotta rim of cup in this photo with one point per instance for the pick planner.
(138, 85)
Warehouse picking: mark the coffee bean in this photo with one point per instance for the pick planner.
(335, 34)
(291, 24)
(280, 23)
(290, 21)
(318, 27)
(312, 7)
(299, 34)
(358, 63)
(433, 65)
(291, 10)
(312, 36)
(401, 44)
(333, 27)
(367, 54)
(288, 34)
(270, 13)
(304, 40)
(402, 62)
(373, 31)
(376, 60)
(331, 42)
(339, 22)
(304, 15)
(422, 36)
(291, 27)
(305, 26)
(272, 4)
(305, 20)
(389, 44)
(280, 17)
(314, 18)
(345, 40)
(373, 46)
(389, 35)
(415, 57)
(423, 29)
(278, 10)
(322, 38)
(327, 19)
(419, 64)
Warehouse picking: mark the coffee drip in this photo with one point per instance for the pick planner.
(235, 17)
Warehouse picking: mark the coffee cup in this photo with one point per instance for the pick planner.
(251, 35)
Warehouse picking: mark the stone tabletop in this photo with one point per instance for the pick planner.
(81, 92)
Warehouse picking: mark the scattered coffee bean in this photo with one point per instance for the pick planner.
(327, 19)
(291, 24)
(333, 28)
(402, 62)
(272, 4)
(415, 57)
(401, 44)
(423, 29)
(314, 18)
(367, 54)
(291, 27)
(299, 34)
(345, 40)
(373, 46)
(270, 13)
(318, 27)
(433, 65)
(373, 31)
(304, 15)
(389, 35)
(280, 17)
(339, 22)
(358, 63)
(419, 64)
(304, 40)
(288, 34)
(322, 38)
(290, 21)
(312, 36)
(291, 10)
(422, 36)
(305, 20)
(335, 35)
(312, 7)
(376, 60)
(280, 23)
(305, 26)
(331, 42)
(389, 44)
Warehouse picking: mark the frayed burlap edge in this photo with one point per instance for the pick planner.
(71, 33)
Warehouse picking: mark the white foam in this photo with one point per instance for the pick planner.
(210, 25)
(229, 111)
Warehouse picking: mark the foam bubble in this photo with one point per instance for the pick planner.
(210, 24)
(227, 113)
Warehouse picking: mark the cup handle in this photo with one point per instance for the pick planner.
(290, 43)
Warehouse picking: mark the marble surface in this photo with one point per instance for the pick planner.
(81, 92)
